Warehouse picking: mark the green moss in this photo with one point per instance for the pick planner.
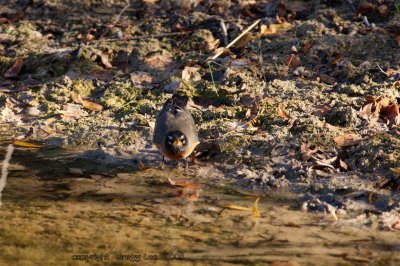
(118, 94)
(83, 87)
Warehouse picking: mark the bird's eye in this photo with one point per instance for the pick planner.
(182, 137)
(170, 138)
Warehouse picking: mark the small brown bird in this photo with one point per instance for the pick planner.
(175, 133)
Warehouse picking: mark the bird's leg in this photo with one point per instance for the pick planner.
(162, 162)
(186, 164)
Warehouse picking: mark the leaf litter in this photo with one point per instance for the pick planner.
(310, 59)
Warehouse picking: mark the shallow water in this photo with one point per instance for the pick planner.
(55, 215)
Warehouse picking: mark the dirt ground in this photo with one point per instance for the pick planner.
(302, 111)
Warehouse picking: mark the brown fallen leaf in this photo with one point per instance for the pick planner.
(191, 73)
(396, 225)
(391, 114)
(256, 212)
(184, 183)
(398, 40)
(158, 61)
(72, 111)
(395, 170)
(86, 103)
(371, 197)
(293, 61)
(283, 113)
(105, 57)
(16, 68)
(274, 29)
(348, 140)
(141, 78)
(327, 79)
(189, 193)
(47, 130)
(25, 144)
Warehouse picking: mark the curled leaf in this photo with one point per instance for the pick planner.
(256, 212)
(86, 103)
(395, 170)
(25, 144)
(105, 57)
(14, 71)
(283, 113)
(347, 140)
(184, 183)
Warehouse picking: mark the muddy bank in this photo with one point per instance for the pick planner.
(305, 103)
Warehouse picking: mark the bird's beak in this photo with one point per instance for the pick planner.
(177, 142)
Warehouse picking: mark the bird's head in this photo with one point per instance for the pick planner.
(176, 142)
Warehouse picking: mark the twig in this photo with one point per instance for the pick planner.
(224, 31)
(162, 35)
(115, 21)
(4, 168)
(381, 69)
(366, 22)
(236, 39)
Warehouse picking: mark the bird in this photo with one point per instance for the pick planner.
(175, 133)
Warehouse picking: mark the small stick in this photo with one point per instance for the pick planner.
(4, 168)
(236, 39)
(162, 35)
(366, 22)
(381, 69)
(115, 21)
(224, 31)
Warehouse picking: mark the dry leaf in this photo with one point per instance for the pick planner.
(293, 61)
(184, 183)
(92, 105)
(283, 113)
(396, 225)
(327, 79)
(72, 111)
(189, 193)
(25, 144)
(347, 140)
(48, 130)
(86, 103)
(237, 207)
(398, 40)
(391, 114)
(191, 74)
(274, 29)
(141, 78)
(14, 71)
(105, 56)
(343, 165)
(321, 110)
(395, 170)
(76, 98)
(158, 61)
(371, 197)
(256, 212)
